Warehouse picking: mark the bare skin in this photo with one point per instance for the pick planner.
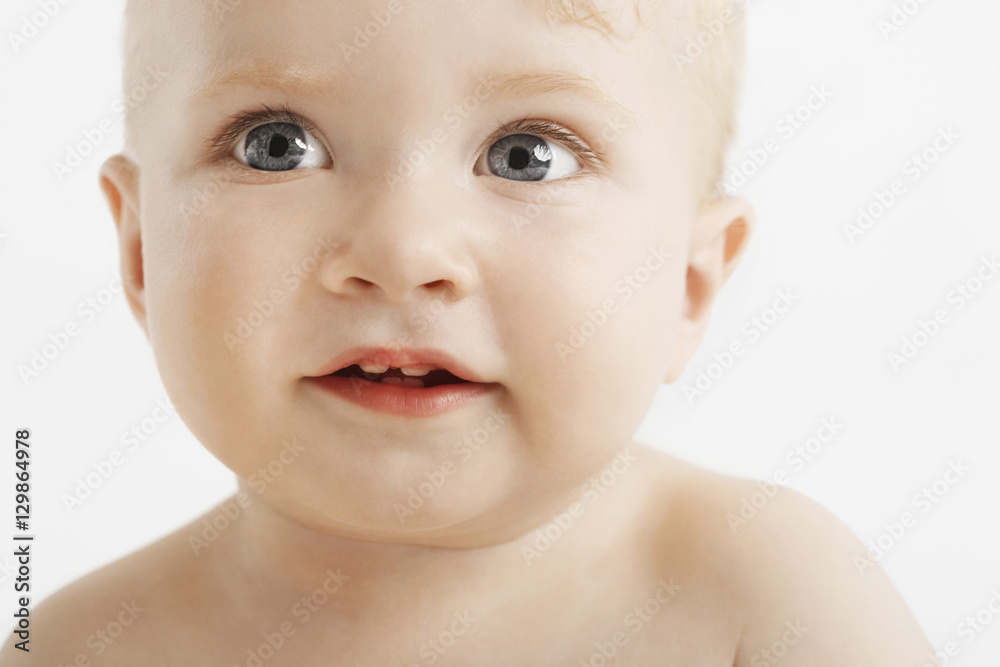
(649, 567)
(652, 571)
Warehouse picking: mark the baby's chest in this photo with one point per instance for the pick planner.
(645, 638)
(651, 623)
(653, 632)
(640, 637)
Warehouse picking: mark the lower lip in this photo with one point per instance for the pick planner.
(405, 401)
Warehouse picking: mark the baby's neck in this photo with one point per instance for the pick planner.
(288, 570)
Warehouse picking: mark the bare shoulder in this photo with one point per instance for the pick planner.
(801, 583)
(119, 614)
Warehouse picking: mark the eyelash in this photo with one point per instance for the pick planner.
(548, 130)
(221, 145)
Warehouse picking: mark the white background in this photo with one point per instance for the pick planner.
(824, 358)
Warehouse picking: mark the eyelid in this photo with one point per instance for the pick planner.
(549, 130)
(222, 144)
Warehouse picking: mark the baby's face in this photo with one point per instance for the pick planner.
(399, 207)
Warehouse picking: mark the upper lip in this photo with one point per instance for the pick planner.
(401, 358)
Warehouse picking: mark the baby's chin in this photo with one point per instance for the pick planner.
(438, 511)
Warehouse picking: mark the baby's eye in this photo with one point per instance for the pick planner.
(526, 157)
(280, 147)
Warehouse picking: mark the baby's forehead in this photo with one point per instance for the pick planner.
(375, 38)
(377, 49)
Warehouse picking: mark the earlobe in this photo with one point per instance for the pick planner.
(719, 238)
(119, 179)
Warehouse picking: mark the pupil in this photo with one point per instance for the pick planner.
(278, 146)
(519, 158)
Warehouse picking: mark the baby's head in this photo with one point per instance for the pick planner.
(528, 188)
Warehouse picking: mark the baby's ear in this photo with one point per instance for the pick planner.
(120, 182)
(720, 236)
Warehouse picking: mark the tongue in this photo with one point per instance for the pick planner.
(401, 381)
(396, 377)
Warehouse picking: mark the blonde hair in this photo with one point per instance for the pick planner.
(712, 76)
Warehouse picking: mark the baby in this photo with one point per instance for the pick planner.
(414, 271)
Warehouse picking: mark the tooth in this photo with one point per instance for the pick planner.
(413, 372)
(373, 369)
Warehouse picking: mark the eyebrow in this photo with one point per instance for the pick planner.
(527, 85)
(310, 78)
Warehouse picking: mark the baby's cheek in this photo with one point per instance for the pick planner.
(225, 253)
(591, 340)
(208, 270)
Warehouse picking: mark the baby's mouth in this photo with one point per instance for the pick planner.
(406, 377)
